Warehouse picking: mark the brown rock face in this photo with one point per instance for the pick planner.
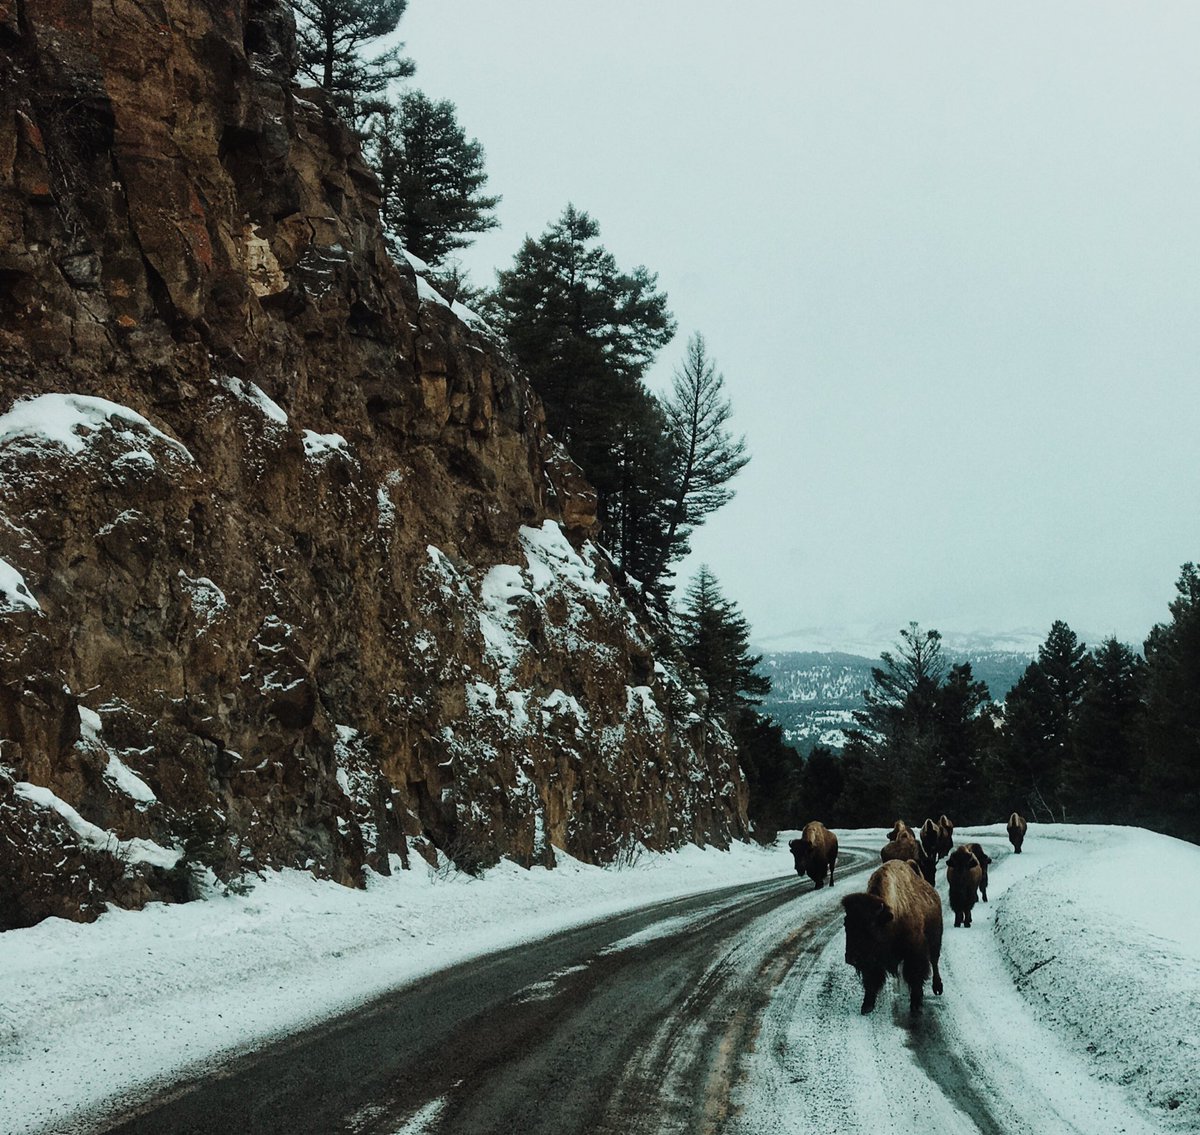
(290, 571)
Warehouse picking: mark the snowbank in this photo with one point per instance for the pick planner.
(1104, 943)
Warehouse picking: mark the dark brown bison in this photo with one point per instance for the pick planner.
(945, 836)
(962, 877)
(983, 859)
(930, 834)
(900, 828)
(1016, 831)
(906, 847)
(815, 852)
(895, 927)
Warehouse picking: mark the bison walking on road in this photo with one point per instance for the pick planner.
(1016, 831)
(895, 927)
(983, 859)
(963, 874)
(930, 835)
(815, 853)
(905, 847)
(945, 836)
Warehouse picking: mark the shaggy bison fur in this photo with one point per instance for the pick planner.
(896, 928)
(930, 834)
(962, 877)
(983, 859)
(1016, 831)
(905, 847)
(815, 853)
(945, 836)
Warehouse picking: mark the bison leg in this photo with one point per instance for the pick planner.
(933, 940)
(983, 893)
(958, 918)
(916, 970)
(967, 919)
(872, 983)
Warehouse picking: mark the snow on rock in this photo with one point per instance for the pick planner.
(320, 447)
(552, 560)
(133, 850)
(427, 293)
(14, 594)
(72, 422)
(254, 395)
(117, 772)
(207, 599)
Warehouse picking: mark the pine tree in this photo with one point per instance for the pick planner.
(584, 332)
(892, 749)
(1040, 715)
(704, 455)
(964, 731)
(330, 37)
(715, 640)
(1103, 778)
(431, 177)
(1172, 728)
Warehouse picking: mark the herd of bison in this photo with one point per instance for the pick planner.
(895, 926)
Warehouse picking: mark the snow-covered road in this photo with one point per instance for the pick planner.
(1072, 1005)
(979, 1059)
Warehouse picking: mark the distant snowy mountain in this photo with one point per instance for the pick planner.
(814, 693)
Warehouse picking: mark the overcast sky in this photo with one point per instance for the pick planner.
(946, 255)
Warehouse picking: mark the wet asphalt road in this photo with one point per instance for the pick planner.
(634, 1025)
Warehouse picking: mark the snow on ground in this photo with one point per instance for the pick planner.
(1052, 1021)
(1073, 1000)
(105, 1011)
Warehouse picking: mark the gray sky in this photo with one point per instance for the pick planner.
(946, 255)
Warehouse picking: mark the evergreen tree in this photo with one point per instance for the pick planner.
(891, 750)
(636, 511)
(431, 177)
(584, 332)
(772, 769)
(1172, 727)
(964, 732)
(330, 37)
(715, 640)
(1102, 781)
(1040, 715)
(704, 455)
(821, 781)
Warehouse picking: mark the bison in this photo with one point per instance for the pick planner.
(945, 836)
(905, 847)
(930, 834)
(895, 927)
(962, 877)
(983, 859)
(815, 852)
(1016, 831)
(900, 828)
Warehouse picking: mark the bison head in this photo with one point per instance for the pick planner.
(961, 859)
(866, 924)
(800, 849)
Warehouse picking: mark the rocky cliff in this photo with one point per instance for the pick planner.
(290, 571)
